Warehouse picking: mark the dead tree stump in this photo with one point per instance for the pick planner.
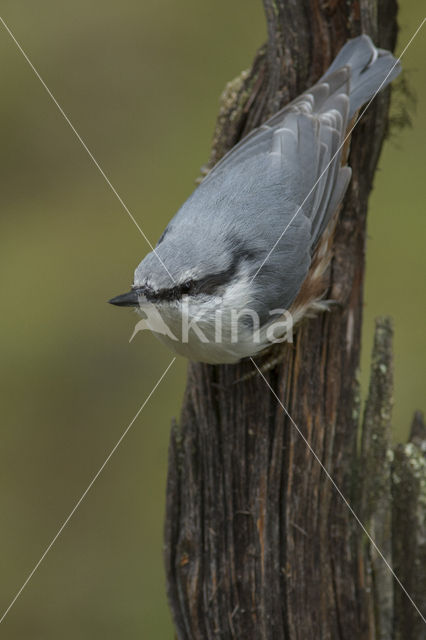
(258, 544)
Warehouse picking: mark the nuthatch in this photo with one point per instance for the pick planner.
(253, 241)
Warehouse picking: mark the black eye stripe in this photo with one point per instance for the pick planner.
(187, 287)
(209, 284)
(174, 293)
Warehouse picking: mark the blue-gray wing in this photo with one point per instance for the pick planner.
(302, 144)
(270, 198)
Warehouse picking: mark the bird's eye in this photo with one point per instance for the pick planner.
(187, 287)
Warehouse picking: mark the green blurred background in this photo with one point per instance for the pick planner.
(140, 81)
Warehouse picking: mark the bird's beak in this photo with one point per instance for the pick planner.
(130, 299)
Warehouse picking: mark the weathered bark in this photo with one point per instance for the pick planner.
(375, 482)
(258, 542)
(392, 504)
(409, 531)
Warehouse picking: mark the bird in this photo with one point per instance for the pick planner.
(243, 260)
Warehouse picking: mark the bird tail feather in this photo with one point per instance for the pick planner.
(371, 69)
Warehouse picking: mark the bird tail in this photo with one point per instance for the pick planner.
(371, 69)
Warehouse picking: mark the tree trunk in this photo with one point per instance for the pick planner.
(259, 545)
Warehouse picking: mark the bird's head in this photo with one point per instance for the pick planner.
(179, 278)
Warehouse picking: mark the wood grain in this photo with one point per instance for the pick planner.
(258, 545)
